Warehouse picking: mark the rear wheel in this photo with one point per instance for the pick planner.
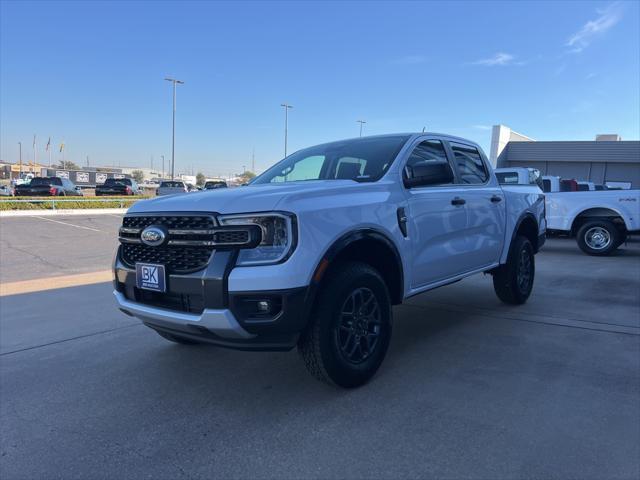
(599, 237)
(513, 281)
(175, 339)
(350, 327)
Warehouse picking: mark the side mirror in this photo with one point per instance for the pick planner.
(427, 174)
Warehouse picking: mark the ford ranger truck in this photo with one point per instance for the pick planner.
(316, 251)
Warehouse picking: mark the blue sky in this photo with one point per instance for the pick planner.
(91, 74)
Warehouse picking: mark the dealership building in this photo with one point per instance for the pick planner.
(607, 159)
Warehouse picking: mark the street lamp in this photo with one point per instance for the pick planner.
(20, 145)
(162, 176)
(361, 122)
(173, 128)
(286, 124)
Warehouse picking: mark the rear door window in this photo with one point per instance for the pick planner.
(471, 168)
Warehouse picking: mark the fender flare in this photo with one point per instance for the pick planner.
(339, 245)
(521, 219)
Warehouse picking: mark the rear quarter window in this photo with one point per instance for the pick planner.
(471, 168)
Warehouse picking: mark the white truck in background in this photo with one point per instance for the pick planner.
(600, 220)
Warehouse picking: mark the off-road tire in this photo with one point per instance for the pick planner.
(175, 339)
(508, 281)
(322, 344)
(607, 228)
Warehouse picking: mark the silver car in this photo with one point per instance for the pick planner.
(171, 187)
(6, 191)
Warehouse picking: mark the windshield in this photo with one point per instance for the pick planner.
(172, 185)
(45, 181)
(361, 159)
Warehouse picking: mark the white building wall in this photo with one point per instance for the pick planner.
(500, 136)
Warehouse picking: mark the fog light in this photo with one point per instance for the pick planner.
(264, 306)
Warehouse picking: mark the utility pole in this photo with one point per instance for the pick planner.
(87, 160)
(20, 145)
(173, 127)
(162, 174)
(286, 124)
(361, 122)
(253, 160)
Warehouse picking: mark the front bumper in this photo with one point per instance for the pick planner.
(198, 306)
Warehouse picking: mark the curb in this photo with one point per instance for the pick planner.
(76, 211)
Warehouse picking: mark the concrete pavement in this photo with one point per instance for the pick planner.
(470, 388)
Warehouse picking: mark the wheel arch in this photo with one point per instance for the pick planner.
(527, 225)
(595, 213)
(368, 246)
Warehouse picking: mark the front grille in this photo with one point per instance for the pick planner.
(191, 239)
(232, 236)
(172, 222)
(175, 258)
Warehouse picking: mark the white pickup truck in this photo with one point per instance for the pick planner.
(600, 220)
(316, 250)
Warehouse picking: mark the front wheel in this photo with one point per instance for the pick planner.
(350, 327)
(598, 237)
(513, 281)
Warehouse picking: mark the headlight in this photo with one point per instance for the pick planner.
(278, 237)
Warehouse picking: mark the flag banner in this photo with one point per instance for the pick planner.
(48, 144)
(61, 147)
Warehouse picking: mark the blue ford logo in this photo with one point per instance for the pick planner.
(153, 236)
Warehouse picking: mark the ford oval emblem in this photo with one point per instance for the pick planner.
(153, 236)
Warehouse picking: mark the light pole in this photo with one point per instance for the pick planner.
(173, 128)
(162, 176)
(286, 124)
(361, 122)
(20, 145)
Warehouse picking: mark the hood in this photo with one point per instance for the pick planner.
(250, 198)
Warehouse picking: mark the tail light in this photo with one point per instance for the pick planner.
(128, 190)
(52, 190)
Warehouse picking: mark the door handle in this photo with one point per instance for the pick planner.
(496, 199)
(458, 201)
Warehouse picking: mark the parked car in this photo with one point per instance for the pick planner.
(171, 187)
(315, 251)
(48, 187)
(600, 221)
(118, 186)
(6, 191)
(519, 176)
(213, 184)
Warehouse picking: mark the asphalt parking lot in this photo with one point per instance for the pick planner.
(470, 387)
